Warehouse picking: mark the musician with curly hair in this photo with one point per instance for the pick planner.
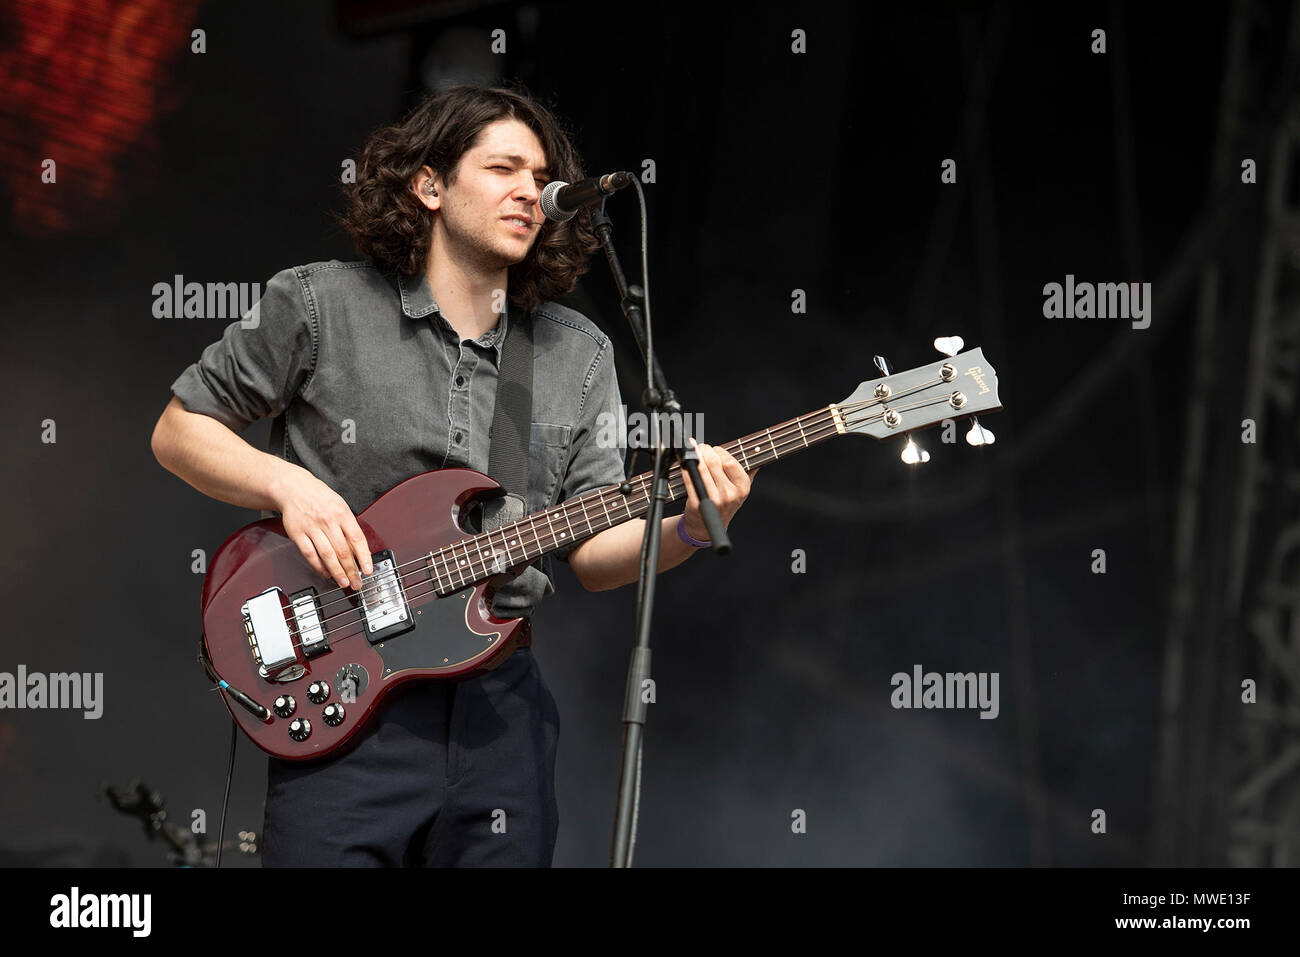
(377, 370)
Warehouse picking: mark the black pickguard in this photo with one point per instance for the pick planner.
(439, 639)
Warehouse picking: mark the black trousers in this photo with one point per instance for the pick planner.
(450, 773)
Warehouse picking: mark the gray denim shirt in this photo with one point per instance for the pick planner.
(368, 387)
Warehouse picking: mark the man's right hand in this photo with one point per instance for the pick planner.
(319, 522)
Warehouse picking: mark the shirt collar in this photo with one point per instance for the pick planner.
(418, 302)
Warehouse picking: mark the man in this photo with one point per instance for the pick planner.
(375, 371)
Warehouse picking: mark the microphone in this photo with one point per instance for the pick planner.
(561, 201)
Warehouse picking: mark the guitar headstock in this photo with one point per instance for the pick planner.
(961, 385)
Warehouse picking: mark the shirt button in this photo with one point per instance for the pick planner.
(457, 438)
(460, 380)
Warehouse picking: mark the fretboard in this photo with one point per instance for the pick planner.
(471, 560)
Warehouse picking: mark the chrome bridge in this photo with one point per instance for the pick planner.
(271, 632)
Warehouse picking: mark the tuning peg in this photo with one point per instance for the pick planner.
(883, 365)
(913, 454)
(978, 435)
(949, 345)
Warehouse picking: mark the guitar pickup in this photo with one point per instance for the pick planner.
(305, 609)
(383, 601)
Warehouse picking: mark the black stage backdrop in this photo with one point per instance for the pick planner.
(825, 184)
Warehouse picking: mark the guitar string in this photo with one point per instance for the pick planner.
(480, 563)
(641, 484)
(451, 564)
(446, 562)
(451, 567)
(470, 574)
(479, 568)
(823, 430)
(787, 443)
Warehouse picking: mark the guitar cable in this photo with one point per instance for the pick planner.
(206, 662)
(225, 798)
(245, 700)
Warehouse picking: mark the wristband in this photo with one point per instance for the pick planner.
(685, 536)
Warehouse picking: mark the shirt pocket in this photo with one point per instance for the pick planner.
(548, 452)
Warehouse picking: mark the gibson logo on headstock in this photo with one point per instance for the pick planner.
(977, 373)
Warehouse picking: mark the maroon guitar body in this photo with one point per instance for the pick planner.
(452, 637)
(304, 664)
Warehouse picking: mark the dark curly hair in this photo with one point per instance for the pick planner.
(393, 229)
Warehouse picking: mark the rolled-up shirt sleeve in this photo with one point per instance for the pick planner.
(260, 362)
(595, 461)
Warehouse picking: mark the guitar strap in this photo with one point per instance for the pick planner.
(511, 424)
(511, 427)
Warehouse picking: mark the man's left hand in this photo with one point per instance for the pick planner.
(726, 482)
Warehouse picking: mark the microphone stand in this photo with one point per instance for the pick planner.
(658, 398)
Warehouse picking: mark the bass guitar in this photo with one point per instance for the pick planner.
(305, 665)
